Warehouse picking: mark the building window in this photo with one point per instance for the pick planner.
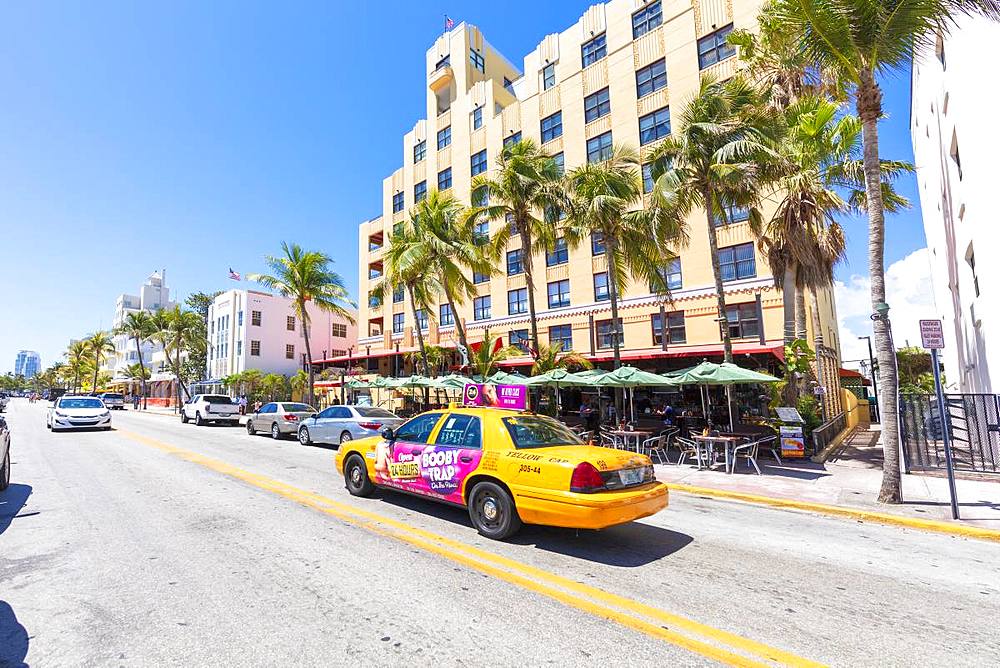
(594, 50)
(478, 278)
(420, 191)
(477, 60)
(646, 19)
(548, 76)
(559, 293)
(654, 126)
(509, 85)
(552, 127)
(737, 262)
(601, 292)
(290, 323)
(419, 151)
(444, 137)
(715, 47)
(374, 301)
(599, 148)
(478, 162)
(647, 177)
(515, 264)
(971, 260)
(444, 62)
(481, 308)
(397, 294)
(422, 319)
(651, 78)
(560, 161)
(512, 139)
(445, 316)
(337, 353)
(606, 334)
(733, 214)
(397, 323)
(397, 202)
(670, 275)
(597, 246)
(519, 339)
(339, 330)
(289, 351)
(559, 253)
(481, 232)
(239, 319)
(254, 348)
(239, 348)
(255, 318)
(444, 179)
(955, 156)
(517, 301)
(477, 118)
(675, 328)
(742, 320)
(596, 105)
(562, 335)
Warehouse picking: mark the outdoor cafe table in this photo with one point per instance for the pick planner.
(728, 442)
(639, 437)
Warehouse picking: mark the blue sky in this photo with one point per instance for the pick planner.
(197, 136)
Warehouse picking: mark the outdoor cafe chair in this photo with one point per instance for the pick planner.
(656, 447)
(689, 448)
(749, 452)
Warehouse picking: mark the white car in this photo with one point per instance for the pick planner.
(204, 408)
(69, 412)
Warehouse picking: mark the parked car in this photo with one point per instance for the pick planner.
(114, 401)
(72, 412)
(279, 418)
(339, 424)
(205, 408)
(3, 402)
(4, 455)
(507, 468)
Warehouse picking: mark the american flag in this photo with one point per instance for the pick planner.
(448, 23)
(233, 275)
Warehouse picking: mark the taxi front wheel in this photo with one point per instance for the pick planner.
(356, 477)
(492, 511)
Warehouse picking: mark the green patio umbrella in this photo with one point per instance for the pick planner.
(631, 377)
(727, 374)
(452, 381)
(559, 377)
(505, 378)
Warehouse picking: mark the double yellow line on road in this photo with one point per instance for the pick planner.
(722, 646)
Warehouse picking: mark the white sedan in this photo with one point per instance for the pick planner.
(78, 413)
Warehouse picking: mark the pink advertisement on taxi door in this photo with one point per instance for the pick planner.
(514, 397)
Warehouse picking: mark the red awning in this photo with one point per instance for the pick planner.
(678, 352)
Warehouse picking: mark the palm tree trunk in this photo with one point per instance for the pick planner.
(97, 368)
(611, 246)
(817, 344)
(529, 278)
(720, 295)
(788, 301)
(420, 341)
(142, 378)
(304, 319)
(869, 107)
(800, 314)
(459, 327)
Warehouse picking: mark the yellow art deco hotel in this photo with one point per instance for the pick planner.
(619, 75)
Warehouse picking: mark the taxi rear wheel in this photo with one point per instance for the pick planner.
(356, 477)
(492, 511)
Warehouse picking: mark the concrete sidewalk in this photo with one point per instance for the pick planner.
(850, 478)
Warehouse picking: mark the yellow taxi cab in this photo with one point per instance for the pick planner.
(507, 467)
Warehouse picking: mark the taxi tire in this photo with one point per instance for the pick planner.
(356, 477)
(505, 522)
(5, 472)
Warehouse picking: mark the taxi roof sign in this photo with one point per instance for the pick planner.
(931, 334)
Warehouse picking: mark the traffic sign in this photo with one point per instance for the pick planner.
(931, 334)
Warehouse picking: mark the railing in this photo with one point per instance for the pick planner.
(823, 435)
(972, 422)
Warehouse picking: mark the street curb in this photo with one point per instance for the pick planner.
(841, 511)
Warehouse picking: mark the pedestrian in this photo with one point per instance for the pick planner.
(135, 402)
(243, 404)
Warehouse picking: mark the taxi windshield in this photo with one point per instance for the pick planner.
(538, 431)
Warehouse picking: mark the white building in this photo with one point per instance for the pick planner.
(954, 147)
(248, 329)
(153, 296)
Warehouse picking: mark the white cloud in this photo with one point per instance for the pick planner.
(908, 293)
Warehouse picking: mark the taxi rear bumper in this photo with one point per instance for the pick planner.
(589, 511)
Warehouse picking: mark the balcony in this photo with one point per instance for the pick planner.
(375, 242)
(374, 270)
(441, 78)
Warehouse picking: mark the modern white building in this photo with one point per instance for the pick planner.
(28, 363)
(248, 329)
(954, 145)
(153, 296)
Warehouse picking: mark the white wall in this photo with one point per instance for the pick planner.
(954, 104)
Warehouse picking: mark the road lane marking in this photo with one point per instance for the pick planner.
(529, 577)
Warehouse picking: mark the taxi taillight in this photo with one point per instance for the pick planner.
(586, 478)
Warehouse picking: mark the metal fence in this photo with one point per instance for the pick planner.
(972, 421)
(823, 435)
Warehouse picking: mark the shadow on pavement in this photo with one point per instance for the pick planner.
(11, 501)
(627, 545)
(13, 639)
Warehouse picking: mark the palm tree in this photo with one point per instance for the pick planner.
(306, 276)
(527, 192)
(250, 380)
(179, 331)
(553, 357)
(273, 385)
(138, 326)
(298, 382)
(99, 345)
(76, 361)
(447, 241)
(485, 358)
(137, 372)
(720, 156)
(861, 41)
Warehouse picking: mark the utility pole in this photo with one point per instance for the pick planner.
(871, 363)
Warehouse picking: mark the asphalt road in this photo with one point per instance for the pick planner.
(161, 544)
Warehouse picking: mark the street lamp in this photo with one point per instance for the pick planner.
(871, 362)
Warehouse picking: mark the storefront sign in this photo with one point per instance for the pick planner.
(514, 397)
(793, 443)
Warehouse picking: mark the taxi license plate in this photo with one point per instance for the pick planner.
(631, 476)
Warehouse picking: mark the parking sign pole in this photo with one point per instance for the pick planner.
(945, 435)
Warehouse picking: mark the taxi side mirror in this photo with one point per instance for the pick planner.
(387, 433)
